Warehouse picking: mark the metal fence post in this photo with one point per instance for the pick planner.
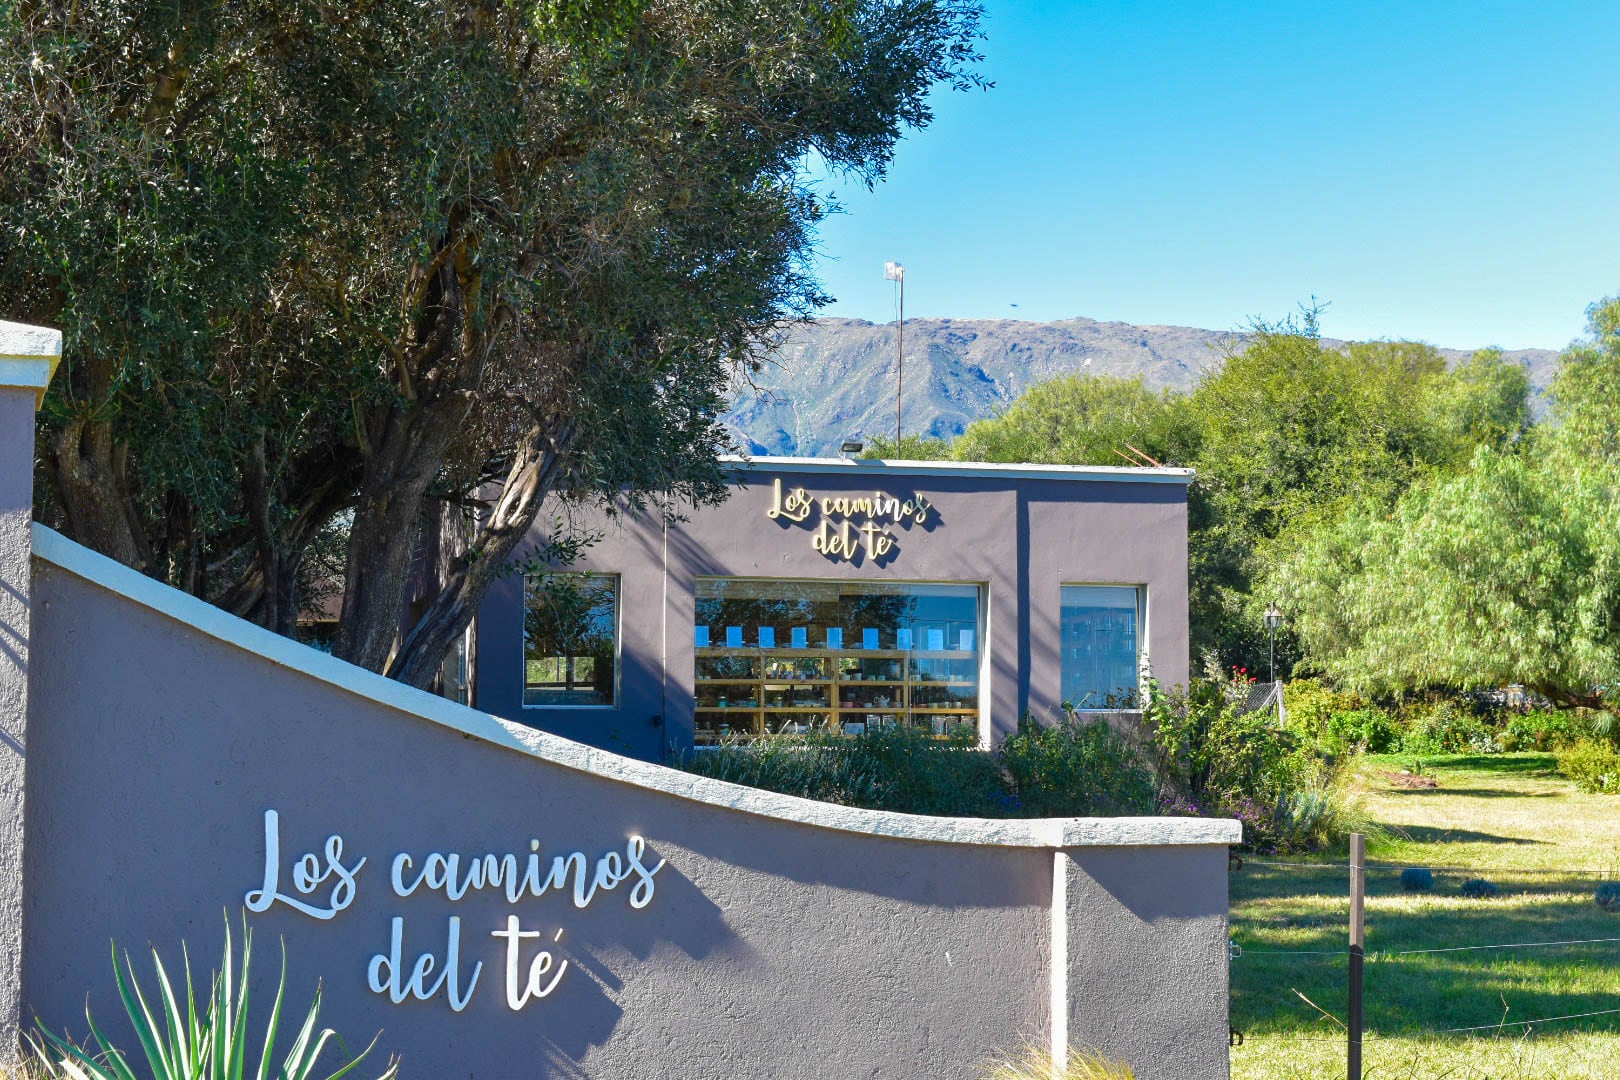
(1358, 940)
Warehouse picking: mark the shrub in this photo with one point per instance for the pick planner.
(1314, 815)
(1370, 729)
(1075, 768)
(1417, 879)
(1213, 758)
(1539, 730)
(896, 768)
(1593, 765)
(1607, 896)
(190, 1044)
(1310, 705)
(1445, 727)
(1478, 889)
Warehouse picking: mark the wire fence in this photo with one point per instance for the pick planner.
(1355, 955)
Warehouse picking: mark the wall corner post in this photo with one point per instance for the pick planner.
(1145, 924)
(28, 358)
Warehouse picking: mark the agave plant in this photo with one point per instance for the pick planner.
(189, 1046)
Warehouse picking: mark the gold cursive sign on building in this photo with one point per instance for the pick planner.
(848, 525)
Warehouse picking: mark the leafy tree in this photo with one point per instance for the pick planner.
(1504, 572)
(1294, 432)
(1084, 420)
(349, 266)
(911, 448)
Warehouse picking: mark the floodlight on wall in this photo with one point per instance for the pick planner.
(852, 446)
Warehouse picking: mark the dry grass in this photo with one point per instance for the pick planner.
(1508, 818)
(1038, 1064)
(1580, 1056)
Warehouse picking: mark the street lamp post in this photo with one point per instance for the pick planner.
(1273, 620)
(893, 271)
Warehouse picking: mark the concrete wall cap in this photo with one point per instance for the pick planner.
(29, 356)
(55, 549)
(877, 469)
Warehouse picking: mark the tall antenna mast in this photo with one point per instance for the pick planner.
(893, 271)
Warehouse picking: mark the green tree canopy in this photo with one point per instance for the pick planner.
(1085, 420)
(357, 263)
(1506, 571)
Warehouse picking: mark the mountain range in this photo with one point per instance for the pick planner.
(834, 379)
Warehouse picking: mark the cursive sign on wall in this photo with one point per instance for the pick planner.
(325, 883)
(848, 525)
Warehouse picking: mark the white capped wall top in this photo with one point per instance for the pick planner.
(28, 356)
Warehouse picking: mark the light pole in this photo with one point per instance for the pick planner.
(1273, 620)
(893, 271)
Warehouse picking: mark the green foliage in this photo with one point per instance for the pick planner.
(1212, 758)
(178, 1043)
(1293, 431)
(368, 269)
(1336, 721)
(1370, 729)
(1311, 703)
(897, 769)
(1209, 751)
(1070, 768)
(1504, 571)
(1084, 420)
(1516, 563)
(1285, 433)
(1075, 768)
(1538, 730)
(912, 448)
(1444, 727)
(1593, 765)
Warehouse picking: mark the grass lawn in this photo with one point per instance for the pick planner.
(1513, 820)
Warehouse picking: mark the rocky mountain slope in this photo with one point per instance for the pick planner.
(835, 379)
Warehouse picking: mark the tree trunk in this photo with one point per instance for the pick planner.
(528, 482)
(387, 522)
(89, 470)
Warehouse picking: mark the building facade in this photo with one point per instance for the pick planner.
(836, 594)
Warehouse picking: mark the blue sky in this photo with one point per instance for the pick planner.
(1440, 171)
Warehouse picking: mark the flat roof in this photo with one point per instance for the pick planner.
(877, 467)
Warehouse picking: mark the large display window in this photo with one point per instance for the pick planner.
(780, 657)
(1102, 646)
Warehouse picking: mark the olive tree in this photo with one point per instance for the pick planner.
(414, 270)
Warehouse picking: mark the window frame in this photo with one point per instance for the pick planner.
(1142, 651)
(618, 645)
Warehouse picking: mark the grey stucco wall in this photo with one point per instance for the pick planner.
(16, 508)
(28, 358)
(1021, 538)
(771, 948)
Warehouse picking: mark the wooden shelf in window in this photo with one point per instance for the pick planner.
(751, 717)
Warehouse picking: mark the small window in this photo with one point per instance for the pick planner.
(570, 639)
(1102, 645)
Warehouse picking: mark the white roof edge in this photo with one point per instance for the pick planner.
(51, 547)
(850, 466)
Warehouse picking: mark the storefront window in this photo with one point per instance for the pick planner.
(570, 639)
(789, 657)
(1101, 645)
